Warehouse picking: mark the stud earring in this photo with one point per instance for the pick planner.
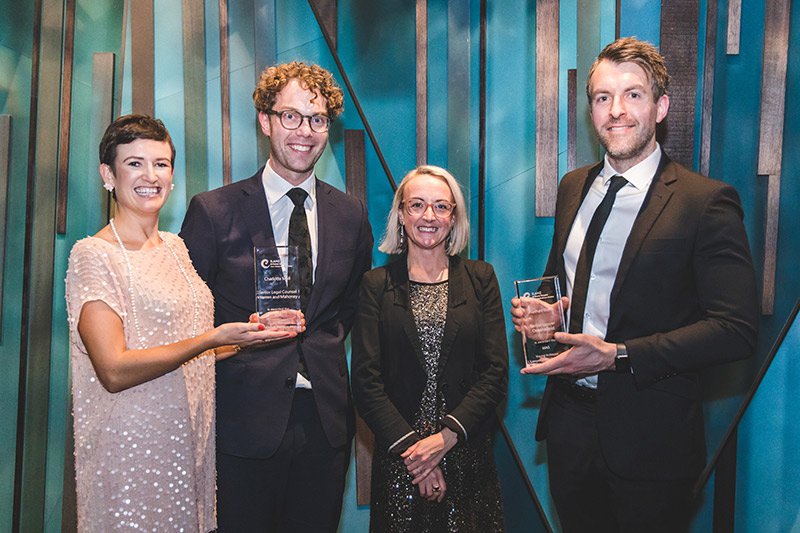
(108, 186)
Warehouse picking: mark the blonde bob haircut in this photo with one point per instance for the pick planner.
(459, 233)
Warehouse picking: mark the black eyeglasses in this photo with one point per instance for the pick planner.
(291, 120)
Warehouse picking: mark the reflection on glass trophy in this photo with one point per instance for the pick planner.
(277, 285)
(544, 315)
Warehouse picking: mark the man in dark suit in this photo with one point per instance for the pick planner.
(660, 281)
(284, 413)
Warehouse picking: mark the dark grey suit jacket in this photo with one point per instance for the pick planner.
(255, 388)
(684, 299)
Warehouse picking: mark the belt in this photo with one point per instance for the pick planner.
(573, 390)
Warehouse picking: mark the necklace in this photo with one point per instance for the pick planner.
(195, 302)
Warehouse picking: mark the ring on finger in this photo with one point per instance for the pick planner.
(436, 488)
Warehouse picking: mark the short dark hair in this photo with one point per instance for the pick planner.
(644, 54)
(129, 128)
(311, 77)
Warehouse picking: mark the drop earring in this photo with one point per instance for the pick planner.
(108, 186)
(402, 236)
(172, 187)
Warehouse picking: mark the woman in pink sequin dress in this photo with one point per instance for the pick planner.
(143, 348)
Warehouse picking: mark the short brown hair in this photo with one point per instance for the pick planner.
(311, 77)
(129, 128)
(644, 54)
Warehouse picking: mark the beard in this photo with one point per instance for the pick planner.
(629, 148)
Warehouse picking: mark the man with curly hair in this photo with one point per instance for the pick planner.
(284, 415)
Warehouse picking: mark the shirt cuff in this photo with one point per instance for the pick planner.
(401, 444)
(452, 423)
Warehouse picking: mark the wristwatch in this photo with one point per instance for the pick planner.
(622, 363)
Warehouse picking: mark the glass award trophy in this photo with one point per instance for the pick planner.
(277, 285)
(544, 315)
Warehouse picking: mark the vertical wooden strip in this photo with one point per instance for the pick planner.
(142, 58)
(66, 113)
(328, 18)
(266, 54)
(773, 86)
(225, 91)
(126, 8)
(679, 22)
(365, 444)
(355, 164)
(709, 63)
(546, 107)
(617, 11)
(482, 131)
(770, 142)
(572, 118)
(38, 268)
(5, 159)
(194, 97)
(356, 183)
(102, 107)
(734, 26)
(422, 81)
(771, 244)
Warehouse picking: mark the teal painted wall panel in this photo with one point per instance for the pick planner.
(15, 78)
(767, 490)
(382, 73)
(642, 19)
(97, 29)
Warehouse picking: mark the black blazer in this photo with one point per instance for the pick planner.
(684, 299)
(255, 388)
(387, 362)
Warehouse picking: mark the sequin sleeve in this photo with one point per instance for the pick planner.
(92, 275)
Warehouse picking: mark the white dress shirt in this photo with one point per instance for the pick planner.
(611, 244)
(280, 211)
(281, 207)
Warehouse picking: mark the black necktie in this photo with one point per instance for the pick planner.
(584, 268)
(299, 236)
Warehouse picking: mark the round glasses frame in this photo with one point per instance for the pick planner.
(291, 120)
(417, 206)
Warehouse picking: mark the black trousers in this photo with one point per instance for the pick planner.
(298, 489)
(588, 495)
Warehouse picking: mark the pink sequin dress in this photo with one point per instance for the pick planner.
(144, 457)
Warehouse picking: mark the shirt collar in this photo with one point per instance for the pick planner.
(276, 187)
(641, 174)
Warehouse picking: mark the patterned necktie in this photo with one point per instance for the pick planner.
(299, 236)
(584, 268)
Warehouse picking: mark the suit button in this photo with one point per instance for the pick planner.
(444, 388)
(463, 386)
(290, 383)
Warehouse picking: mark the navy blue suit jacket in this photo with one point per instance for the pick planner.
(256, 387)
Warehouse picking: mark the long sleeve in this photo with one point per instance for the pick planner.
(369, 393)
